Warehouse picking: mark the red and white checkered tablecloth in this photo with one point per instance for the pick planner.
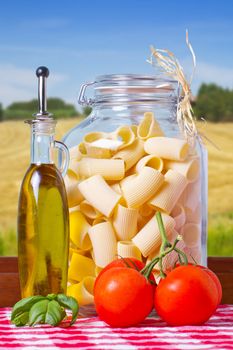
(91, 333)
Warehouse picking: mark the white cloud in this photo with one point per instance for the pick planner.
(17, 84)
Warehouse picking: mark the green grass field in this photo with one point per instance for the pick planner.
(220, 234)
(14, 153)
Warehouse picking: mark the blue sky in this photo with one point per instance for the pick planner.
(78, 40)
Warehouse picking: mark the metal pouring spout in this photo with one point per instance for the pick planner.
(42, 73)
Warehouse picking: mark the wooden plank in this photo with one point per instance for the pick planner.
(226, 279)
(9, 281)
(220, 264)
(8, 264)
(223, 267)
(10, 289)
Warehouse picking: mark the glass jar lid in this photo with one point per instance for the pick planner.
(130, 88)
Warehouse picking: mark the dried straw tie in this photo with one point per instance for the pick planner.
(185, 115)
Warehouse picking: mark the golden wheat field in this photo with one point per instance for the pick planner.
(15, 149)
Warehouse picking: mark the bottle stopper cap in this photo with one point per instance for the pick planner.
(42, 73)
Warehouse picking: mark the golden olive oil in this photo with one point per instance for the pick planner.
(43, 231)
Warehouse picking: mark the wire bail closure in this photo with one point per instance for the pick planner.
(82, 99)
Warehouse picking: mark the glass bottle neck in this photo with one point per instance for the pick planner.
(41, 148)
(42, 140)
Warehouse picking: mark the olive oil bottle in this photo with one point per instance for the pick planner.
(43, 217)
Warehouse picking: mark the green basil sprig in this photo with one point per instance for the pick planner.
(44, 310)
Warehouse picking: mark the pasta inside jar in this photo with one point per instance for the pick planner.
(128, 161)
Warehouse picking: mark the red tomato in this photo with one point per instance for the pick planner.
(123, 297)
(216, 281)
(187, 296)
(125, 262)
(212, 275)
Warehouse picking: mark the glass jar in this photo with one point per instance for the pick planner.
(129, 160)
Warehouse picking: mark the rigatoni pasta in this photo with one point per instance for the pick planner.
(83, 291)
(145, 210)
(109, 169)
(127, 249)
(74, 196)
(167, 148)
(99, 194)
(126, 135)
(93, 136)
(117, 188)
(178, 213)
(89, 211)
(149, 238)
(166, 198)
(142, 220)
(73, 166)
(125, 222)
(115, 184)
(93, 150)
(191, 196)
(80, 267)
(190, 168)
(150, 161)
(99, 220)
(104, 243)
(142, 187)
(78, 230)
(149, 127)
(194, 255)
(191, 234)
(134, 128)
(77, 251)
(98, 270)
(75, 153)
(107, 144)
(193, 216)
(98, 152)
(131, 154)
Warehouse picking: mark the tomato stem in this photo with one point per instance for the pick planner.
(195, 262)
(166, 248)
(148, 268)
(165, 243)
(126, 263)
(183, 255)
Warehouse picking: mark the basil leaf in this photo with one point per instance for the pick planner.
(24, 305)
(39, 309)
(21, 319)
(38, 312)
(55, 313)
(69, 303)
(51, 296)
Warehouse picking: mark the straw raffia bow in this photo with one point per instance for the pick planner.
(170, 64)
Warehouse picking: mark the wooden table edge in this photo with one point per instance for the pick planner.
(10, 288)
